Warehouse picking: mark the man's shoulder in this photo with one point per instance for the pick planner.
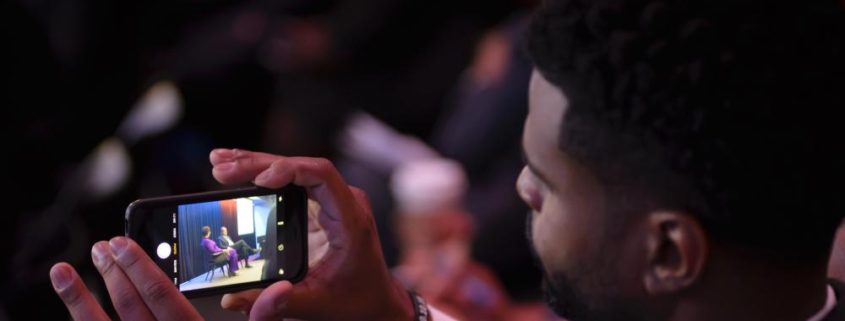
(838, 312)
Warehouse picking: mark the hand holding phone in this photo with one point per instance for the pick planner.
(138, 289)
(350, 283)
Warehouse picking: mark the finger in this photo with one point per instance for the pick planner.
(324, 184)
(271, 303)
(78, 300)
(361, 198)
(314, 215)
(240, 301)
(221, 155)
(125, 298)
(155, 288)
(225, 155)
(238, 166)
(318, 245)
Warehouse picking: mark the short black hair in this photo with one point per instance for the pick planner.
(726, 109)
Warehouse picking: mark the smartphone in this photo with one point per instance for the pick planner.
(224, 241)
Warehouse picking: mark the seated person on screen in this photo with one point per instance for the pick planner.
(243, 249)
(212, 248)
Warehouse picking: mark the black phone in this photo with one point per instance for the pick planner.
(224, 241)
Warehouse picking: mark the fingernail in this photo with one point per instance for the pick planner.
(118, 245)
(61, 277)
(265, 175)
(223, 152)
(99, 253)
(225, 166)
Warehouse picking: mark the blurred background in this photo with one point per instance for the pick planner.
(419, 103)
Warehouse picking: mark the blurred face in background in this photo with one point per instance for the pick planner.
(588, 275)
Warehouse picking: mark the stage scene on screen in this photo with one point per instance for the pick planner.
(220, 242)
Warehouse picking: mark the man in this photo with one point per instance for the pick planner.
(243, 249)
(683, 164)
(219, 254)
(690, 178)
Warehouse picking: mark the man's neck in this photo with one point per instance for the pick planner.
(742, 290)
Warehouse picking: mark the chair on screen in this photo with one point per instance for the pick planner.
(213, 262)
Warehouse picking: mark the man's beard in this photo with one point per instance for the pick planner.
(563, 299)
(567, 293)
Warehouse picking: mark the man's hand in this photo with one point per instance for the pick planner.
(351, 282)
(138, 288)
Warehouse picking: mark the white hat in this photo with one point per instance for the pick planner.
(428, 185)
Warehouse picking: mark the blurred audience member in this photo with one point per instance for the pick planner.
(481, 130)
(396, 60)
(435, 235)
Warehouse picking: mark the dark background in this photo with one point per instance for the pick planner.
(277, 76)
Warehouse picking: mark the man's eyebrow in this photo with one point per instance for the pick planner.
(532, 167)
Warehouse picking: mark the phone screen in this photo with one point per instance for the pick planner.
(224, 241)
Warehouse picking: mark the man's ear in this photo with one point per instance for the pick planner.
(676, 248)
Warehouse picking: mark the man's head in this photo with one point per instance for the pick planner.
(224, 231)
(664, 134)
(206, 231)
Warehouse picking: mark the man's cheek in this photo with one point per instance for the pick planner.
(529, 229)
(534, 236)
(550, 244)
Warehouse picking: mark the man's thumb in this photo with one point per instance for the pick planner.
(272, 302)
